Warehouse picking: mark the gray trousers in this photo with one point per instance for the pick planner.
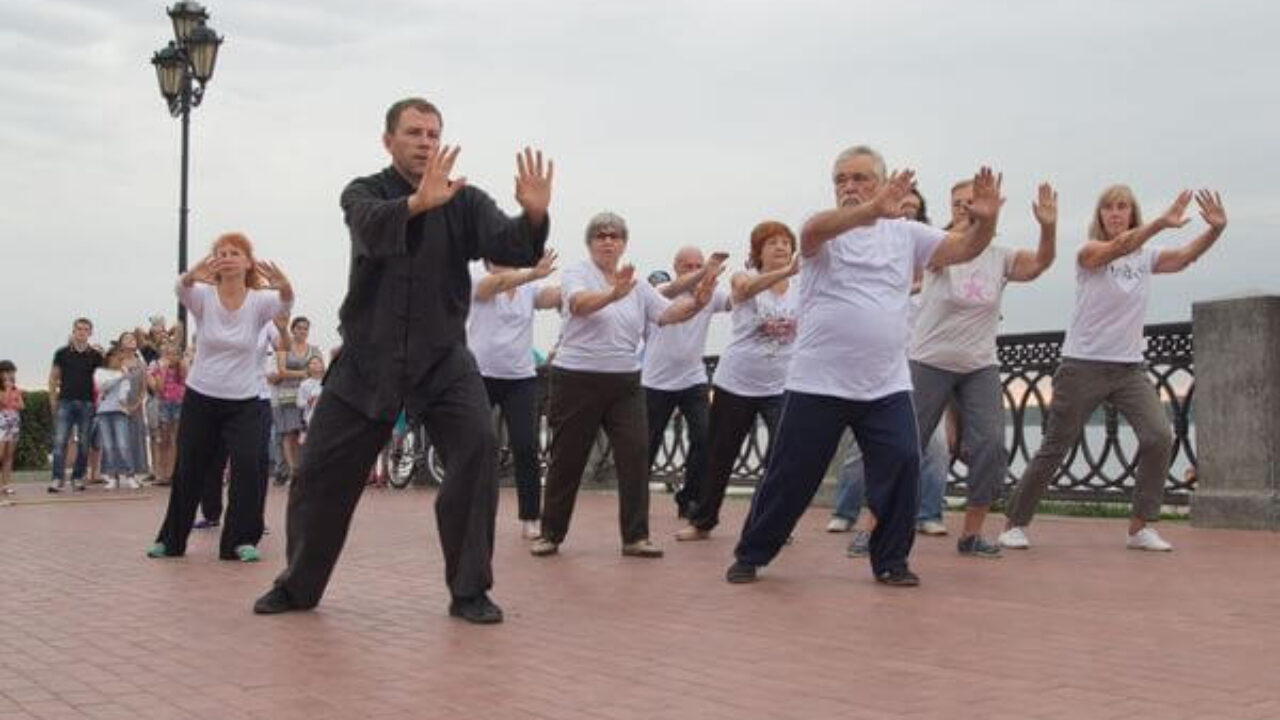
(977, 395)
(1079, 387)
(579, 405)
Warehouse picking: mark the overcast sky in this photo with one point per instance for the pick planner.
(694, 120)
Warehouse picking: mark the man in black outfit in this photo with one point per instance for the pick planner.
(413, 231)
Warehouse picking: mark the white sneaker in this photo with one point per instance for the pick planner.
(931, 527)
(529, 529)
(110, 483)
(1014, 538)
(1148, 539)
(132, 483)
(839, 524)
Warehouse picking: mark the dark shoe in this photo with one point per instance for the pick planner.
(276, 601)
(861, 544)
(203, 524)
(479, 610)
(901, 577)
(977, 546)
(740, 572)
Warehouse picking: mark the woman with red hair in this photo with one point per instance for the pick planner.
(232, 297)
(752, 370)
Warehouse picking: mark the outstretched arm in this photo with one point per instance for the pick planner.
(829, 224)
(1028, 265)
(744, 286)
(585, 302)
(965, 245)
(496, 283)
(1097, 253)
(1215, 215)
(688, 281)
(548, 298)
(686, 307)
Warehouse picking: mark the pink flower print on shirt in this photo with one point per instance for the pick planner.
(778, 330)
(974, 289)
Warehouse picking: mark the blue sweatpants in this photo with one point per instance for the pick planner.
(808, 434)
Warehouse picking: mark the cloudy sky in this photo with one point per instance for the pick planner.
(692, 119)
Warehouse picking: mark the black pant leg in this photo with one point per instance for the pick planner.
(693, 407)
(196, 444)
(730, 418)
(211, 483)
(342, 445)
(886, 430)
(625, 423)
(242, 433)
(659, 404)
(521, 415)
(458, 420)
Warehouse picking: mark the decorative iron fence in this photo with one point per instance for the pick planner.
(1099, 468)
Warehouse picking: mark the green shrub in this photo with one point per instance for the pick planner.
(37, 433)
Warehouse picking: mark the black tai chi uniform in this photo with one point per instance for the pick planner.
(404, 345)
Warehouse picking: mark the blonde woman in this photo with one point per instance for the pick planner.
(1102, 354)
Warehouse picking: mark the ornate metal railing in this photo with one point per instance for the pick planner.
(1100, 467)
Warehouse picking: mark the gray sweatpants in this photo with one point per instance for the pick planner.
(1079, 387)
(977, 395)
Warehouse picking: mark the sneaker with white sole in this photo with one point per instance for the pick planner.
(1148, 539)
(132, 482)
(1015, 538)
(530, 529)
(839, 524)
(931, 527)
(110, 483)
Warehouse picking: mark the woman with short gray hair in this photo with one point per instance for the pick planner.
(594, 383)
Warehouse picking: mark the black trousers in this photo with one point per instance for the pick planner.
(211, 498)
(581, 403)
(731, 418)
(342, 446)
(208, 423)
(518, 400)
(808, 434)
(692, 402)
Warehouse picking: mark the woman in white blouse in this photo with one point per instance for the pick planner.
(500, 335)
(231, 298)
(750, 377)
(595, 383)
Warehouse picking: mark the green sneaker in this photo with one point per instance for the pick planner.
(247, 553)
(158, 550)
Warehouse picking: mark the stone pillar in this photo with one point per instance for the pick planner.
(1237, 413)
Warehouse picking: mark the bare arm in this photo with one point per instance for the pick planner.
(1029, 265)
(1178, 259)
(827, 225)
(743, 286)
(496, 283)
(55, 385)
(1097, 253)
(687, 306)
(585, 302)
(963, 246)
(548, 298)
(688, 281)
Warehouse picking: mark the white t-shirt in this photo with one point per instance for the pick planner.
(754, 364)
(673, 353)
(500, 329)
(228, 363)
(1111, 303)
(113, 389)
(607, 340)
(855, 298)
(268, 339)
(960, 312)
(308, 394)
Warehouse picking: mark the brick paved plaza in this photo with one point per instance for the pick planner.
(1076, 628)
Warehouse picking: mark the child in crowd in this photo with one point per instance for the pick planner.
(11, 404)
(309, 390)
(113, 387)
(168, 378)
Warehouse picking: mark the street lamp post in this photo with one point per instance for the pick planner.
(183, 68)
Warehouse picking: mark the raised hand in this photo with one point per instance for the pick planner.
(205, 271)
(533, 184)
(793, 267)
(546, 265)
(1045, 207)
(272, 275)
(986, 196)
(703, 291)
(1211, 209)
(888, 199)
(623, 281)
(436, 188)
(1173, 217)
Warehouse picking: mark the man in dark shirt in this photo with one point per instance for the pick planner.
(71, 399)
(413, 232)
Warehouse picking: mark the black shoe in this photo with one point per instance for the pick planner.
(276, 601)
(901, 577)
(976, 546)
(740, 572)
(479, 610)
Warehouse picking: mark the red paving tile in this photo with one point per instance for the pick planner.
(1077, 627)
